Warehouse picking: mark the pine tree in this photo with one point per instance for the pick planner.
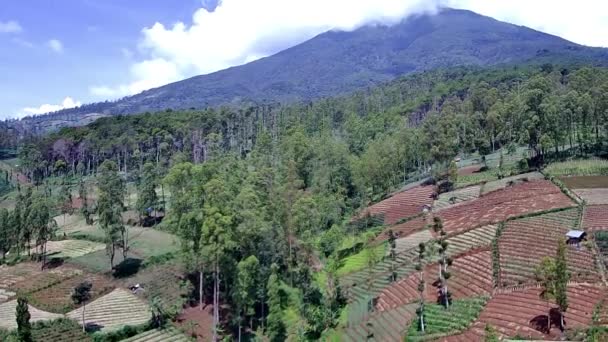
(84, 209)
(246, 286)
(393, 253)
(147, 200)
(444, 261)
(24, 328)
(275, 327)
(421, 286)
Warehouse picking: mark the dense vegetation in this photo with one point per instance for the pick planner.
(261, 197)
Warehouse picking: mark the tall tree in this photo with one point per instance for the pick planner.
(24, 328)
(83, 195)
(81, 294)
(147, 200)
(421, 285)
(562, 276)
(246, 287)
(65, 201)
(42, 224)
(110, 207)
(275, 327)
(545, 274)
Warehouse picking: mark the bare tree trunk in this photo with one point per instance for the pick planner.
(200, 289)
(83, 322)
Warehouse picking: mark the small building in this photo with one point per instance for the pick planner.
(575, 237)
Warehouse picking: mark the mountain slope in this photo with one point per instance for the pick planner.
(338, 62)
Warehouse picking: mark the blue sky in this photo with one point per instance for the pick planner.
(59, 53)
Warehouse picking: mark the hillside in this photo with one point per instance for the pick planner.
(341, 62)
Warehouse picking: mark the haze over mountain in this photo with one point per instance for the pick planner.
(340, 62)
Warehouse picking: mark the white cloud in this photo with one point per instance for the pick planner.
(240, 31)
(55, 45)
(10, 26)
(68, 102)
(584, 21)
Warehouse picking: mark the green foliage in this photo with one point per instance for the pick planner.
(24, 328)
(110, 207)
(147, 200)
(275, 327)
(441, 322)
(578, 167)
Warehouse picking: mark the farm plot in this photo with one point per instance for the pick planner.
(449, 199)
(59, 330)
(523, 313)
(601, 240)
(525, 198)
(412, 241)
(27, 277)
(6, 295)
(593, 196)
(404, 229)
(165, 283)
(57, 298)
(595, 217)
(168, 335)
(113, 311)
(585, 182)
(471, 276)
(526, 241)
(591, 167)
(402, 205)
(383, 326)
(441, 321)
(72, 248)
(8, 312)
(510, 181)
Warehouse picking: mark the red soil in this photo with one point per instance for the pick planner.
(595, 218)
(404, 229)
(197, 323)
(524, 313)
(471, 276)
(525, 242)
(528, 197)
(402, 205)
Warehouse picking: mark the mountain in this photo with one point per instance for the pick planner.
(337, 62)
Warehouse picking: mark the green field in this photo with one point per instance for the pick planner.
(442, 322)
(359, 261)
(579, 167)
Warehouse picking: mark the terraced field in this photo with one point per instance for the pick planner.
(440, 322)
(59, 330)
(510, 181)
(402, 205)
(113, 311)
(595, 217)
(412, 241)
(8, 318)
(523, 313)
(27, 277)
(526, 241)
(72, 248)
(158, 335)
(404, 229)
(593, 196)
(385, 326)
(471, 277)
(524, 198)
(5, 295)
(449, 199)
(359, 289)
(57, 298)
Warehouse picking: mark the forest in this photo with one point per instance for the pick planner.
(262, 197)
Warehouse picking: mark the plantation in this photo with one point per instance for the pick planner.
(449, 199)
(579, 167)
(601, 240)
(524, 198)
(385, 326)
(72, 248)
(114, 311)
(400, 206)
(585, 182)
(593, 196)
(441, 321)
(510, 181)
(403, 230)
(524, 242)
(7, 315)
(57, 298)
(522, 313)
(595, 217)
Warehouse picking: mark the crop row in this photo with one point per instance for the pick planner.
(593, 196)
(113, 311)
(525, 198)
(157, 335)
(72, 248)
(384, 326)
(510, 181)
(8, 318)
(595, 217)
(471, 276)
(405, 229)
(525, 242)
(523, 313)
(449, 199)
(402, 205)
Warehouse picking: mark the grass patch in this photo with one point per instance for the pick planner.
(358, 261)
(441, 322)
(578, 167)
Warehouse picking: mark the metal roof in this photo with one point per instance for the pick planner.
(576, 234)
